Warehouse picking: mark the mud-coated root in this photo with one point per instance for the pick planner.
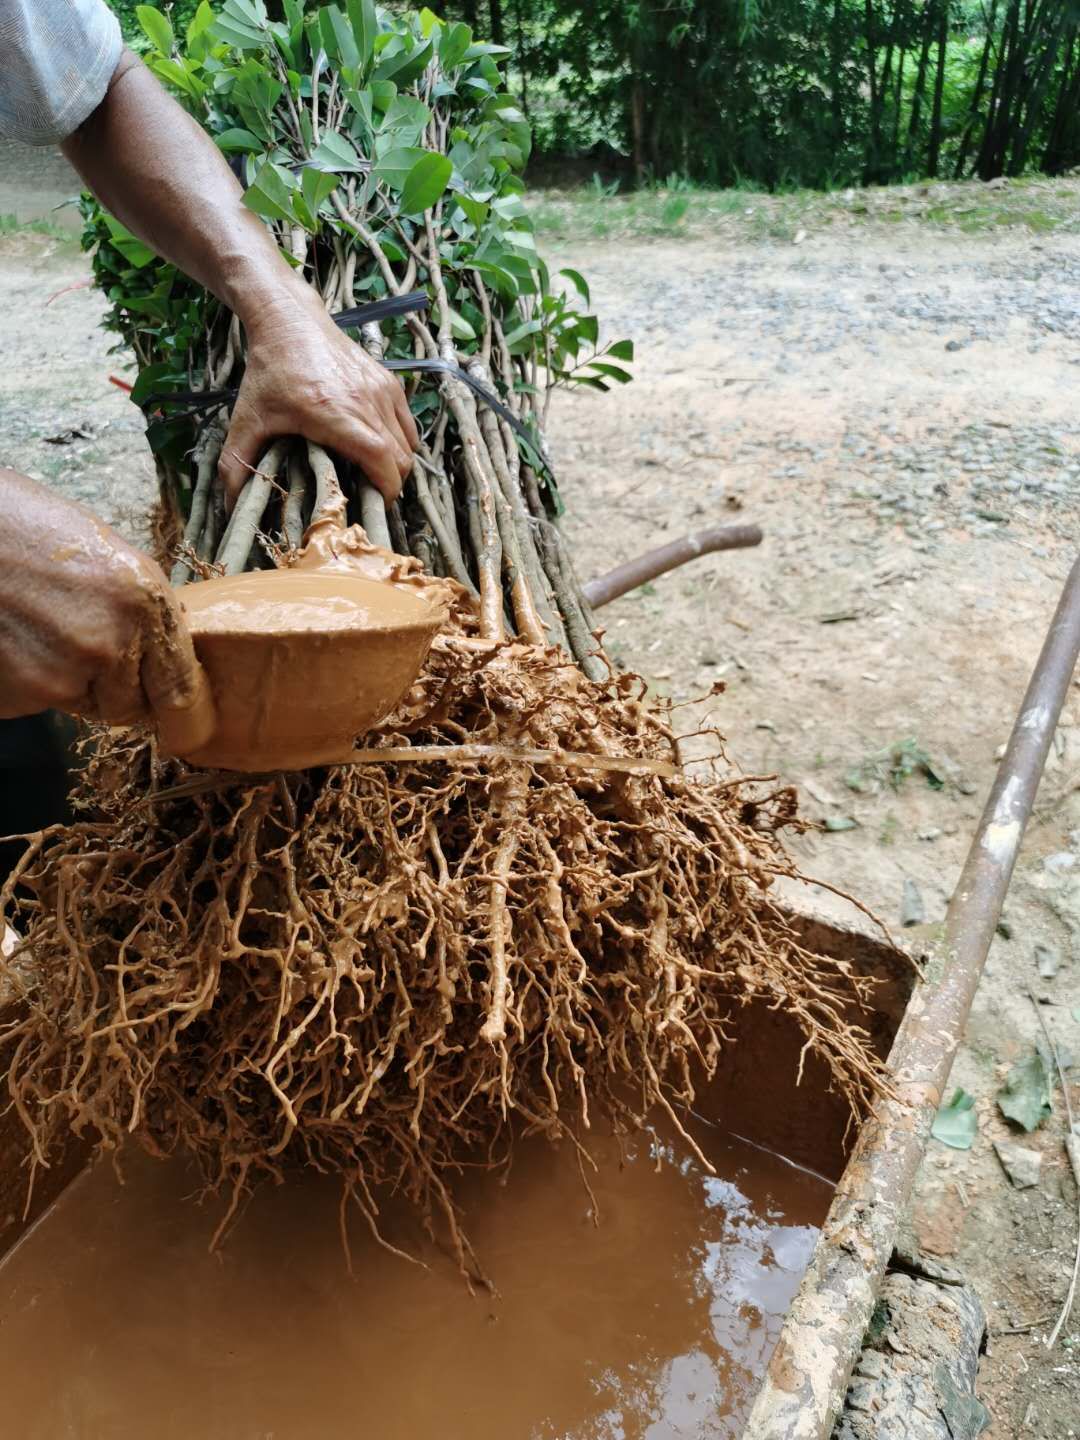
(382, 970)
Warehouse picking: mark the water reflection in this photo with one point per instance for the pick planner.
(754, 1228)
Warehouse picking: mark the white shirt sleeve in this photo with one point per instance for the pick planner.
(57, 58)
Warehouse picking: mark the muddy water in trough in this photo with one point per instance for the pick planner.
(116, 1323)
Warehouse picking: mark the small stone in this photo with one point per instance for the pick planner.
(954, 345)
(1056, 864)
(861, 1396)
(912, 909)
(1047, 962)
(1020, 1164)
(871, 1365)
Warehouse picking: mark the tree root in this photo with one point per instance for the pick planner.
(382, 969)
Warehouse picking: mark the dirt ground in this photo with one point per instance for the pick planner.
(899, 407)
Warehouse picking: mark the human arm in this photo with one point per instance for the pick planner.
(88, 624)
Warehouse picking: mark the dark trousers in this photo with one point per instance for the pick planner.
(35, 758)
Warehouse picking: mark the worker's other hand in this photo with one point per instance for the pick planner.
(87, 623)
(304, 377)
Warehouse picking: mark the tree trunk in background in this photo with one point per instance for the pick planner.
(1063, 142)
(637, 103)
(980, 91)
(498, 30)
(836, 56)
(521, 56)
(933, 158)
(872, 160)
(929, 27)
(637, 125)
(898, 105)
(991, 160)
(1039, 83)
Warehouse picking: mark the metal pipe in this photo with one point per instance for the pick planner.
(606, 588)
(808, 1374)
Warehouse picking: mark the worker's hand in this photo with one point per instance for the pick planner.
(304, 377)
(88, 624)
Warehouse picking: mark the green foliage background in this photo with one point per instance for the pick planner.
(799, 92)
(181, 13)
(789, 92)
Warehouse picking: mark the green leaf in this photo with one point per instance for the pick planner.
(365, 27)
(503, 281)
(304, 214)
(517, 340)
(200, 22)
(474, 52)
(236, 139)
(404, 67)
(154, 377)
(156, 28)
(460, 327)
(255, 93)
(315, 186)
(429, 21)
(395, 166)
(1025, 1096)
(510, 207)
(405, 119)
(390, 247)
(337, 37)
(476, 211)
(612, 372)
(270, 193)
(240, 26)
(133, 250)
(588, 327)
(835, 823)
(621, 350)
(453, 44)
(382, 94)
(425, 183)
(180, 73)
(581, 286)
(956, 1124)
(336, 153)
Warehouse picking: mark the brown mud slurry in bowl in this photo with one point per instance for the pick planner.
(657, 1323)
(302, 661)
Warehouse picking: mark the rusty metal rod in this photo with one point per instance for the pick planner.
(606, 588)
(808, 1374)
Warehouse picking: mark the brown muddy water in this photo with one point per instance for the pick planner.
(649, 1317)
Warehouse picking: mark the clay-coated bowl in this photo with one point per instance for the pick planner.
(301, 663)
